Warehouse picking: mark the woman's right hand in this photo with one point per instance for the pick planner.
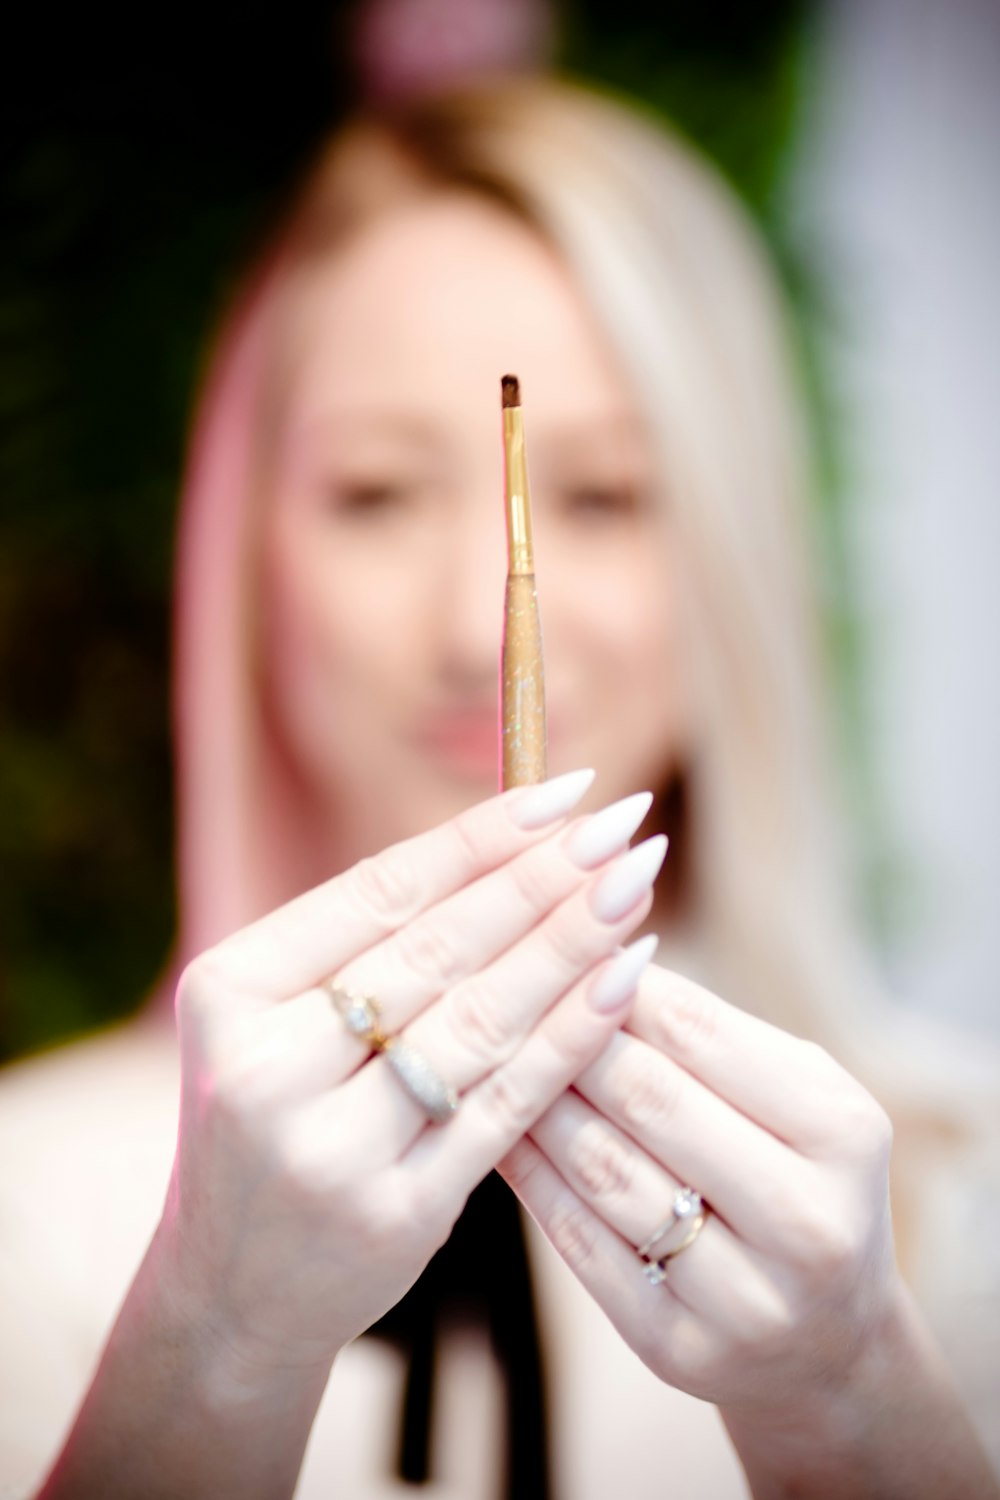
(309, 1190)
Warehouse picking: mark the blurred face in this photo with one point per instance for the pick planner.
(384, 545)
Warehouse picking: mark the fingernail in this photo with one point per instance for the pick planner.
(549, 800)
(616, 983)
(628, 880)
(607, 832)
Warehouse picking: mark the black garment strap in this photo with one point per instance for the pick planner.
(480, 1276)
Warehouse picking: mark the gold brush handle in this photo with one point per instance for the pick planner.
(522, 685)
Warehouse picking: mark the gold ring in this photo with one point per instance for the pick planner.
(425, 1086)
(688, 1209)
(360, 1014)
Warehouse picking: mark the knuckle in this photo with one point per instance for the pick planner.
(815, 1056)
(528, 875)
(573, 1232)
(648, 1097)
(426, 950)
(198, 989)
(521, 1164)
(479, 1024)
(569, 941)
(882, 1131)
(384, 1220)
(602, 1162)
(466, 830)
(693, 1354)
(823, 1243)
(851, 1125)
(766, 1321)
(570, 1046)
(688, 1021)
(824, 1071)
(865, 1128)
(509, 1099)
(387, 885)
(237, 1093)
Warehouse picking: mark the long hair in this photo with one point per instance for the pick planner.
(675, 273)
(676, 276)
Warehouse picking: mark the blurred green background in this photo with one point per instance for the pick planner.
(144, 162)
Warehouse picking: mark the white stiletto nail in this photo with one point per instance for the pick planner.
(549, 800)
(613, 986)
(629, 880)
(608, 831)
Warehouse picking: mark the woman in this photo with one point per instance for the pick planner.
(340, 575)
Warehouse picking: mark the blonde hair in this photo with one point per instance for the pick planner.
(675, 272)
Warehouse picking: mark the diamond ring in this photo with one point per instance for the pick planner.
(688, 1213)
(360, 1014)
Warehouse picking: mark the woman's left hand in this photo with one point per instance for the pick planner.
(794, 1271)
(786, 1310)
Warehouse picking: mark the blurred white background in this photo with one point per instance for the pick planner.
(898, 185)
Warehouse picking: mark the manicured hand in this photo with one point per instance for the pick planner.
(310, 1189)
(794, 1269)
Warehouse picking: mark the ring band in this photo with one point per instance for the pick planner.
(361, 1015)
(425, 1086)
(688, 1209)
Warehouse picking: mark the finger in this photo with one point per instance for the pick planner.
(314, 935)
(376, 1128)
(767, 1194)
(307, 1047)
(468, 1041)
(459, 936)
(789, 1086)
(611, 1173)
(683, 1346)
(716, 1276)
(601, 1259)
(480, 1023)
(497, 1111)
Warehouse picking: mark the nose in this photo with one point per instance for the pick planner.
(470, 608)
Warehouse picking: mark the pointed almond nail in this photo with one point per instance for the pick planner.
(617, 982)
(628, 881)
(608, 831)
(534, 806)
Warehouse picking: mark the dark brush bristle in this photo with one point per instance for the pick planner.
(510, 391)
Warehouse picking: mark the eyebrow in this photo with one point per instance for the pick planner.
(612, 432)
(614, 422)
(350, 421)
(581, 435)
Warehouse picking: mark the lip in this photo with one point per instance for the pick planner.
(466, 744)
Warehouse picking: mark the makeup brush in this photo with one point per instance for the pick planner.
(522, 680)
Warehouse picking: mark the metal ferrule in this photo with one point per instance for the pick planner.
(520, 551)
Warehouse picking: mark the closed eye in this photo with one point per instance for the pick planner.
(600, 501)
(363, 498)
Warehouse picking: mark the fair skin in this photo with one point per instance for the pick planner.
(308, 1191)
(384, 556)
